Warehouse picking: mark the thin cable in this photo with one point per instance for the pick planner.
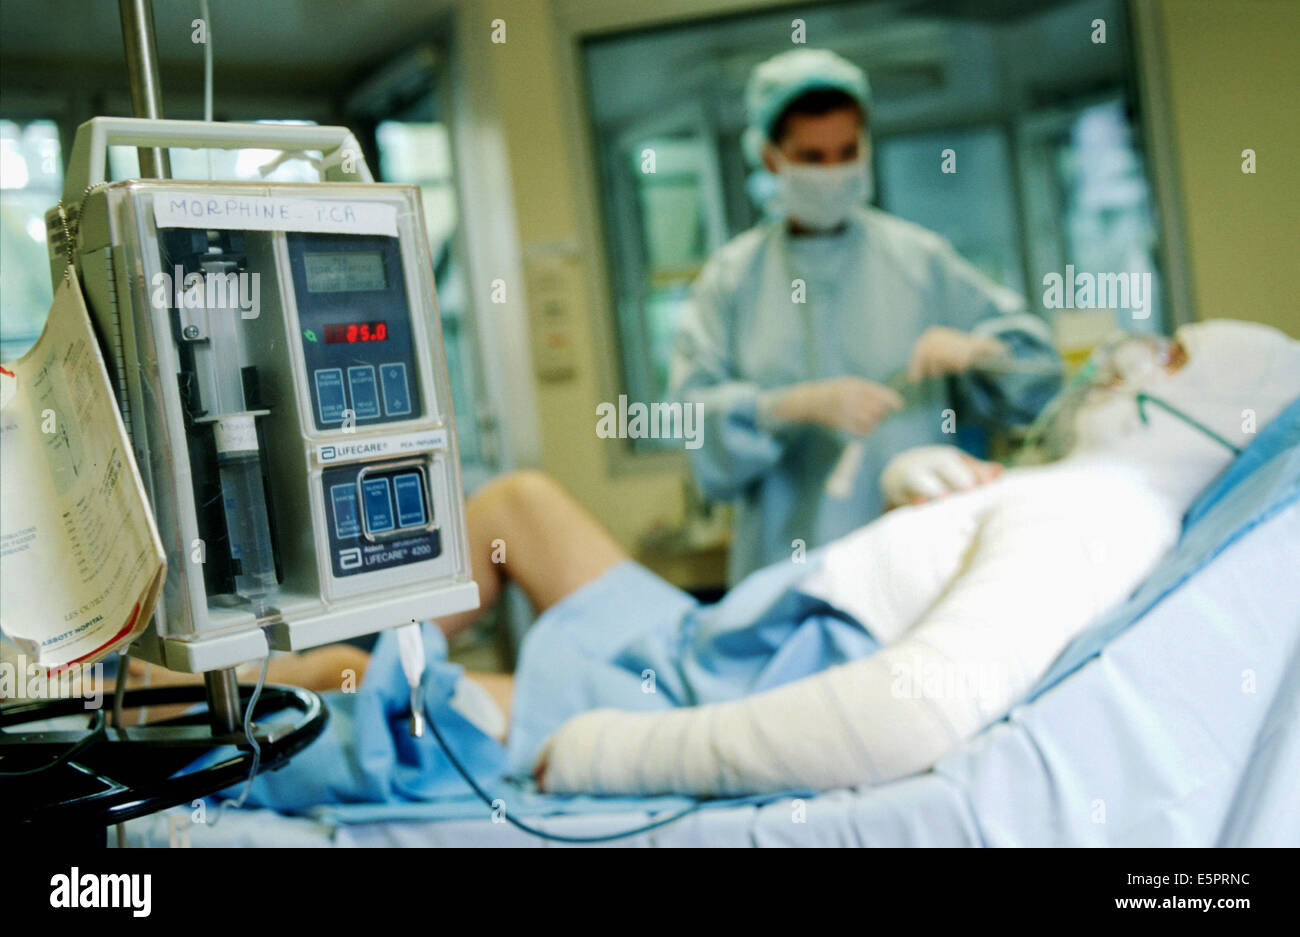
(520, 824)
(97, 730)
(248, 731)
(206, 16)
(1144, 398)
(252, 743)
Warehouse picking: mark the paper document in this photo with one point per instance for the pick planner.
(81, 563)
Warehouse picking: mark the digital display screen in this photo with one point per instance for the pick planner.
(348, 332)
(345, 271)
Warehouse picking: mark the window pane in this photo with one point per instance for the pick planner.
(973, 207)
(663, 222)
(419, 153)
(31, 182)
(1108, 216)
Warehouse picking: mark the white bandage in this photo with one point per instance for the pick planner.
(1033, 570)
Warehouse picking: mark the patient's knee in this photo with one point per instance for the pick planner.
(520, 489)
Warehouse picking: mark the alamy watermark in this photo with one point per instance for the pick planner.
(25, 679)
(925, 678)
(1131, 291)
(230, 290)
(658, 420)
(76, 889)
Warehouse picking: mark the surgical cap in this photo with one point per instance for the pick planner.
(776, 83)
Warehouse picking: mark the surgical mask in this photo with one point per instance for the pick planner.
(1127, 360)
(821, 197)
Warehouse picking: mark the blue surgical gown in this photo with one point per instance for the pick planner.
(869, 291)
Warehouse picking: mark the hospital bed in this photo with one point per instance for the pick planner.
(1175, 720)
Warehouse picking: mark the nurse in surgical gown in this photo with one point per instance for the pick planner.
(788, 305)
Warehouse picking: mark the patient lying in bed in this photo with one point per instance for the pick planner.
(971, 596)
(964, 601)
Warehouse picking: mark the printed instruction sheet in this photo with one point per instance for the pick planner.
(81, 563)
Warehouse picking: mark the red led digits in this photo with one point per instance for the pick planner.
(351, 332)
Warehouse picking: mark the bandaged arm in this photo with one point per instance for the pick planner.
(1039, 573)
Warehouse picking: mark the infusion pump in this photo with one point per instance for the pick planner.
(276, 353)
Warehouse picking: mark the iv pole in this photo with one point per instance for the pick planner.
(146, 101)
(142, 73)
(69, 785)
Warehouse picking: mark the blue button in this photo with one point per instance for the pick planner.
(379, 505)
(397, 396)
(365, 396)
(410, 499)
(346, 522)
(329, 395)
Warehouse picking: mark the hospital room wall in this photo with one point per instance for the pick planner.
(1232, 74)
(523, 72)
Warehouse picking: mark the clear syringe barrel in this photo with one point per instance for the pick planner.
(239, 462)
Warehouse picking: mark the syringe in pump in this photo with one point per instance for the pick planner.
(239, 463)
(215, 340)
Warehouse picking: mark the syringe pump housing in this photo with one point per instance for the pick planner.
(277, 355)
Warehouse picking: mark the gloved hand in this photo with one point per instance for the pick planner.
(925, 472)
(941, 350)
(851, 404)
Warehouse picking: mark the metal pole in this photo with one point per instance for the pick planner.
(223, 700)
(142, 72)
(146, 101)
